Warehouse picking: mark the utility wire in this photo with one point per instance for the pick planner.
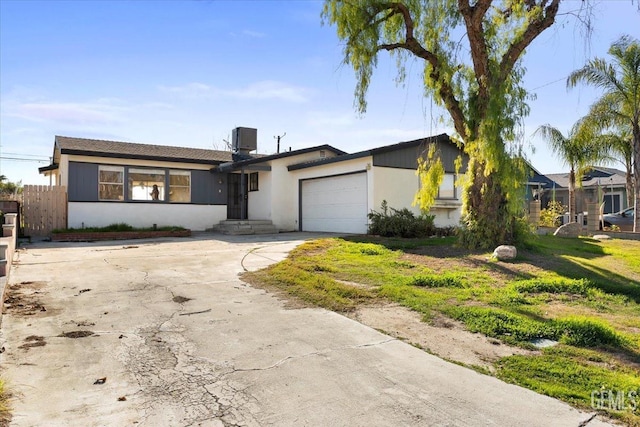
(23, 159)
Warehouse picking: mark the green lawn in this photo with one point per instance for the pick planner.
(582, 293)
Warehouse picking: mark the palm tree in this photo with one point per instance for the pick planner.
(621, 150)
(579, 150)
(620, 81)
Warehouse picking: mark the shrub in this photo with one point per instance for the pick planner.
(392, 222)
(550, 217)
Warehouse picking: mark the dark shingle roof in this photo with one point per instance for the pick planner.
(599, 176)
(129, 150)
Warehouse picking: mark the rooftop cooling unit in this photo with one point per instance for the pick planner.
(244, 140)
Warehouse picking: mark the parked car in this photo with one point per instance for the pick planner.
(622, 219)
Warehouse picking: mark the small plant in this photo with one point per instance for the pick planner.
(550, 217)
(392, 222)
(116, 227)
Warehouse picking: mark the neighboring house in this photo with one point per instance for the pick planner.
(313, 189)
(537, 185)
(598, 185)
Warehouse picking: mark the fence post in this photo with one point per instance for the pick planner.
(534, 212)
(593, 217)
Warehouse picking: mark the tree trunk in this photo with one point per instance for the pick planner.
(487, 222)
(636, 175)
(629, 184)
(572, 195)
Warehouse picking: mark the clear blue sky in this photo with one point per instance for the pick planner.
(187, 72)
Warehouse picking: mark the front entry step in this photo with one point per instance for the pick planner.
(238, 227)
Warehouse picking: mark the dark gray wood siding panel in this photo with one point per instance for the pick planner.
(208, 188)
(406, 158)
(83, 182)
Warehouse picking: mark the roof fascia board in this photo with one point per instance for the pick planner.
(138, 157)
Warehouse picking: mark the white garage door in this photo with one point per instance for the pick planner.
(335, 204)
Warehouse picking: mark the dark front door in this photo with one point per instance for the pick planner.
(235, 197)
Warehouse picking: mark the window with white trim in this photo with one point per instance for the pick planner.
(447, 188)
(146, 184)
(110, 182)
(179, 186)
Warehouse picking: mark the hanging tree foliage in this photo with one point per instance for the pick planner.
(471, 52)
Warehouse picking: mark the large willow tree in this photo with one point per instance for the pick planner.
(470, 51)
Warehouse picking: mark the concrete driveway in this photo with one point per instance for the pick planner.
(164, 333)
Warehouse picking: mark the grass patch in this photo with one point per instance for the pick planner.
(446, 280)
(582, 377)
(582, 293)
(116, 227)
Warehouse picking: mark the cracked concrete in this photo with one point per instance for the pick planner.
(239, 358)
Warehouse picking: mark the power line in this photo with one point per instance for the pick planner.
(26, 155)
(24, 160)
(550, 83)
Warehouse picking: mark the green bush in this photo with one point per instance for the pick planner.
(391, 222)
(550, 217)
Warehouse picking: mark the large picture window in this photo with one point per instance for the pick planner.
(447, 188)
(180, 186)
(146, 184)
(110, 183)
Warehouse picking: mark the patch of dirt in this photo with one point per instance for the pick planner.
(446, 258)
(33, 341)
(444, 337)
(180, 299)
(22, 299)
(76, 334)
(85, 323)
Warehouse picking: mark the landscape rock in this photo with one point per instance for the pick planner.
(505, 253)
(573, 229)
(601, 237)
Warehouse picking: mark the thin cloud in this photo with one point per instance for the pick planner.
(75, 113)
(268, 89)
(254, 34)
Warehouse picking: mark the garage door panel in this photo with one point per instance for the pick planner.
(335, 204)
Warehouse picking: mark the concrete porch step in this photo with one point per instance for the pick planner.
(243, 227)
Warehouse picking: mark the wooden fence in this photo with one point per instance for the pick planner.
(44, 209)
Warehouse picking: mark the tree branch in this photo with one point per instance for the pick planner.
(473, 19)
(534, 28)
(445, 90)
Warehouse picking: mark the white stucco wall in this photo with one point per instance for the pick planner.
(100, 214)
(260, 201)
(399, 186)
